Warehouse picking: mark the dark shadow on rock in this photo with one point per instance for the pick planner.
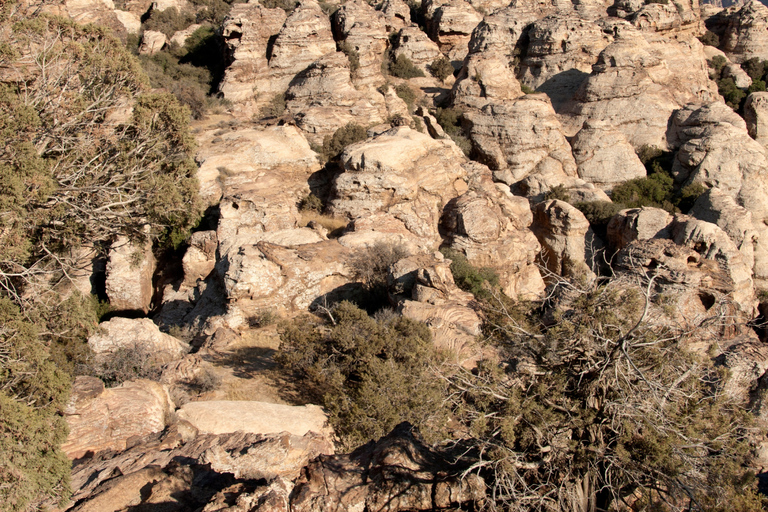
(561, 87)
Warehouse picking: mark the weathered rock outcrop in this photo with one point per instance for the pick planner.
(638, 224)
(561, 230)
(223, 417)
(744, 34)
(129, 275)
(395, 473)
(152, 42)
(402, 172)
(450, 23)
(422, 287)
(161, 468)
(135, 335)
(107, 419)
(490, 227)
(520, 138)
(560, 54)
(604, 156)
(485, 79)
(637, 83)
(322, 99)
(363, 31)
(756, 116)
(417, 47)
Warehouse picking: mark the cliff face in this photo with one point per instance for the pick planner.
(551, 109)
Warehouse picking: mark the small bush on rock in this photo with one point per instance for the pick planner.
(406, 94)
(468, 277)
(402, 67)
(709, 38)
(349, 134)
(370, 374)
(441, 68)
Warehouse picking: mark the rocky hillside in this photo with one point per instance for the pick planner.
(437, 255)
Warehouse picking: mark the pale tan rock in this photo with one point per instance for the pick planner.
(136, 334)
(200, 257)
(561, 52)
(450, 23)
(424, 291)
(284, 279)
(670, 19)
(519, 138)
(363, 29)
(180, 37)
(129, 275)
(637, 83)
(322, 99)
(125, 493)
(713, 243)
(252, 81)
(397, 15)
(106, 419)
(720, 209)
(130, 21)
(406, 173)
(740, 77)
(745, 35)
(417, 47)
(756, 116)
(561, 229)
(247, 31)
(222, 416)
(485, 78)
(152, 42)
(717, 151)
(638, 224)
(604, 156)
(162, 5)
(490, 227)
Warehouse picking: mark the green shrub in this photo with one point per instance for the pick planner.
(599, 213)
(406, 94)
(311, 203)
(656, 190)
(709, 38)
(212, 11)
(756, 86)
(468, 277)
(168, 21)
(754, 67)
(370, 374)
(275, 108)
(371, 268)
(33, 469)
(732, 95)
(349, 134)
(558, 192)
(449, 119)
(441, 68)
(717, 64)
(526, 89)
(402, 67)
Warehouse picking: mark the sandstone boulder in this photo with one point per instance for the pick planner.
(638, 224)
(107, 419)
(604, 156)
(322, 99)
(450, 23)
(485, 78)
(395, 473)
(247, 32)
(740, 77)
(180, 37)
(130, 21)
(200, 257)
(397, 15)
(490, 227)
(402, 172)
(756, 116)
(275, 458)
(637, 83)
(222, 417)
(129, 275)
(363, 31)
(519, 138)
(561, 229)
(417, 47)
(98, 12)
(561, 52)
(744, 34)
(139, 334)
(680, 19)
(152, 42)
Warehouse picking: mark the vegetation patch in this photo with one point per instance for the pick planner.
(441, 68)
(403, 67)
(348, 134)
